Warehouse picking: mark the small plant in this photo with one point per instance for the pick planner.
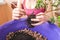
(56, 3)
(40, 4)
(58, 19)
(52, 20)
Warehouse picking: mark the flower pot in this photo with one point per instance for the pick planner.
(36, 11)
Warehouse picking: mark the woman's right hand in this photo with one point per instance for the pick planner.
(18, 13)
(40, 19)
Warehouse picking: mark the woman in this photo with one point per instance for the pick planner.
(46, 29)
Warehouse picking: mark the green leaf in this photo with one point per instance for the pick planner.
(58, 18)
(52, 20)
(39, 4)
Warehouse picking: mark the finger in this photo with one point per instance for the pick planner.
(24, 16)
(35, 20)
(22, 12)
(17, 9)
(18, 13)
(16, 17)
(40, 14)
(39, 23)
(15, 14)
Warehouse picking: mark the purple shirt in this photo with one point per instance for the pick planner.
(48, 30)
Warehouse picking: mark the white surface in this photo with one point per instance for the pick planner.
(2, 2)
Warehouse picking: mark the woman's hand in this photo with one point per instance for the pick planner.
(40, 18)
(18, 13)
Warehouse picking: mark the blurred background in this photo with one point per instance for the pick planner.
(52, 10)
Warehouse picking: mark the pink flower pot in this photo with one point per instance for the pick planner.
(36, 11)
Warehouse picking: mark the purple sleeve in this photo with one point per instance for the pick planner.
(11, 26)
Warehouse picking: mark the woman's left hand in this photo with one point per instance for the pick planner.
(41, 18)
